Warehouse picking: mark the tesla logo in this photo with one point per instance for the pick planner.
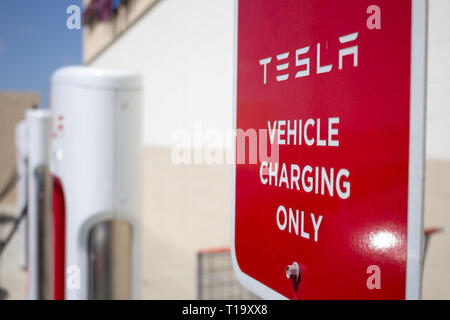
(57, 126)
(302, 60)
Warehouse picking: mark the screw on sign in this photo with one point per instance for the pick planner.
(340, 88)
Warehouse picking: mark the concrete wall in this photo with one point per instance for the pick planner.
(185, 50)
(438, 104)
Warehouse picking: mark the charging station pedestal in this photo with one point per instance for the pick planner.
(21, 189)
(39, 213)
(95, 164)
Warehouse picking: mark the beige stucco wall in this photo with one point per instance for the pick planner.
(186, 208)
(436, 280)
(12, 110)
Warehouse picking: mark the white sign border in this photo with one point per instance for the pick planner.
(416, 168)
(416, 177)
(251, 284)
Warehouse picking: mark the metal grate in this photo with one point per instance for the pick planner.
(216, 278)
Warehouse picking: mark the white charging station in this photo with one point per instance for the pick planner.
(95, 164)
(39, 215)
(21, 189)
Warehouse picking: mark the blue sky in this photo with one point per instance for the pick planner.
(34, 42)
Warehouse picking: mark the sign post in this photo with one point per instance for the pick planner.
(334, 91)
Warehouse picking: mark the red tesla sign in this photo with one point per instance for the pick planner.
(336, 90)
